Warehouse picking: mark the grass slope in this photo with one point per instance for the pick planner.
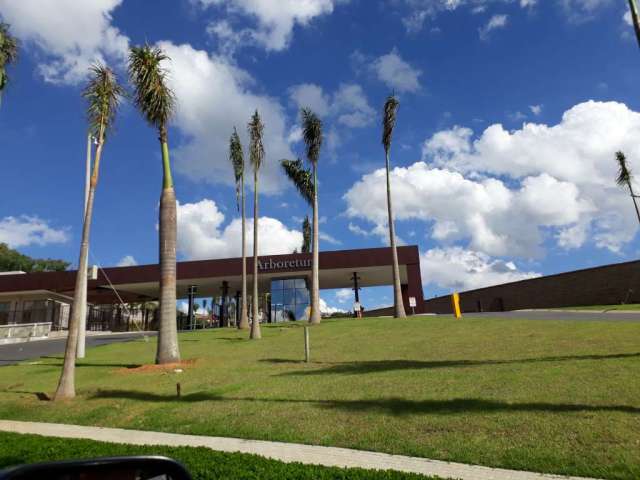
(561, 397)
(202, 463)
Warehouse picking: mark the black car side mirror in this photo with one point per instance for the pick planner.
(112, 468)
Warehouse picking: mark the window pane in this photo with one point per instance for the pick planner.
(288, 296)
(302, 312)
(276, 297)
(290, 283)
(289, 312)
(300, 283)
(302, 295)
(276, 285)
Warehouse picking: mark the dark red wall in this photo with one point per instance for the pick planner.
(606, 285)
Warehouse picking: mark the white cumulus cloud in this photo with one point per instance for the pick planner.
(214, 96)
(348, 105)
(275, 20)
(71, 34)
(495, 22)
(203, 234)
(458, 269)
(396, 73)
(27, 230)
(127, 261)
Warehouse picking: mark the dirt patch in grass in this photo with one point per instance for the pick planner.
(159, 368)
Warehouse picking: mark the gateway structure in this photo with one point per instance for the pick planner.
(283, 283)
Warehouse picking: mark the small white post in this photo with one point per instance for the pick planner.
(307, 355)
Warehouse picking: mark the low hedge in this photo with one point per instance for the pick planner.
(204, 464)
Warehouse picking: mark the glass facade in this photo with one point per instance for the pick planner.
(289, 299)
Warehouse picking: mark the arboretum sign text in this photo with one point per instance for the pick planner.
(270, 264)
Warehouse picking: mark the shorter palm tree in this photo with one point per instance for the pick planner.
(256, 156)
(103, 95)
(312, 136)
(388, 124)
(237, 160)
(625, 178)
(8, 54)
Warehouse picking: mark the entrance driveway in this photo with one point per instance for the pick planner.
(17, 352)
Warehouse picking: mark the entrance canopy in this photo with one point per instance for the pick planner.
(141, 283)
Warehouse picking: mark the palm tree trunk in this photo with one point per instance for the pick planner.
(82, 328)
(244, 318)
(255, 322)
(314, 317)
(634, 19)
(398, 304)
(635, 201)
(66, 386)
(168, 350)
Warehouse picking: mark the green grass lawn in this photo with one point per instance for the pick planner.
(202, 463)
(601, 308)
(561, 397)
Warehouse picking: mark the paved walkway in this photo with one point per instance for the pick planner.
(286, 452)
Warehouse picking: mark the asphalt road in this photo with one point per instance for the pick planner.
(562, 315)
(18, 352)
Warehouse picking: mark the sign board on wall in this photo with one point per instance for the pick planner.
(412, 302)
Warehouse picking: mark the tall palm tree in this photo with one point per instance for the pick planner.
(306, 235)
(156, 102)
(625, 178)
(82, 328)
(312, 135)
(8, 54)
(256, 156)
(633, 6)
(237, 160)
(103, 95)
(388, 123)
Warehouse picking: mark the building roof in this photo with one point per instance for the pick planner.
(141, 282)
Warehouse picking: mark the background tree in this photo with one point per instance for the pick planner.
(312, 135)
(388, 123)
(237, 160)
(256, 156)
(625, 178)
(11, 261)
(103, 96)
(156, 102)
(306, 235)
(8, 54)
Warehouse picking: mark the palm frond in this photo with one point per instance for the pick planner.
(389, 121)
(256, 149)
(306, 235)
(237, 160)
(624, 174)
(300, 177)
(8, 53)
(103, 95)
(152, 95)
(312, 134)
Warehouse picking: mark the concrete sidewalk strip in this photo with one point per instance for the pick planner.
(285, 452)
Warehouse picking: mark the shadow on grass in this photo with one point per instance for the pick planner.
(392, 405)
(391, 365)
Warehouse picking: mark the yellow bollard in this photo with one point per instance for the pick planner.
(455, 303)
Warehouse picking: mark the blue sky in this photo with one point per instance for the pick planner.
(510, 115)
